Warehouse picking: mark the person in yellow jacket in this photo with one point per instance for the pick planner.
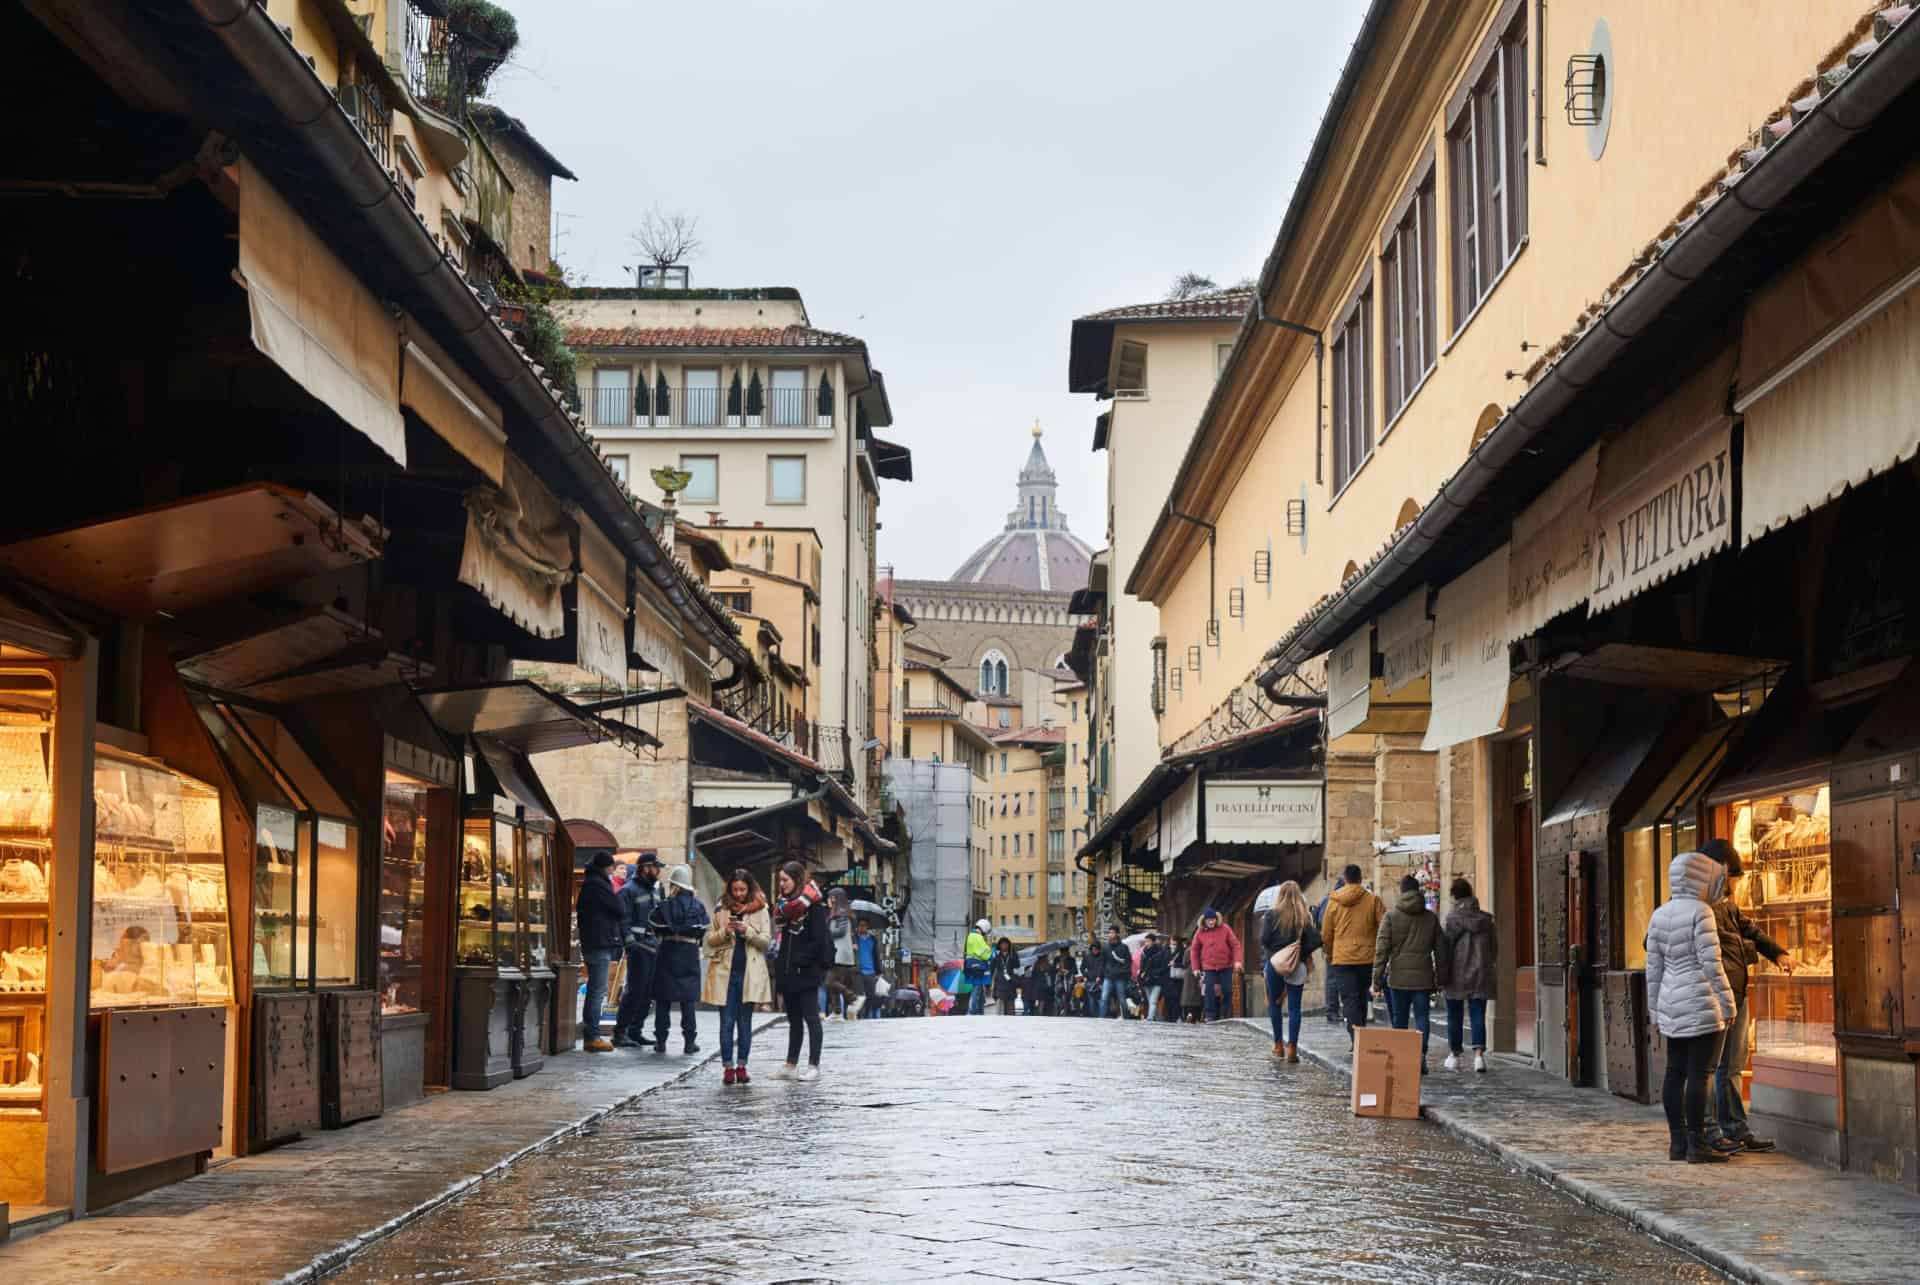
(1348, 931)
(976, 968)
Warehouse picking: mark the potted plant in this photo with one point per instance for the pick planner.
(755, 401)
(662, 400)
(825, 409)
(733, 401)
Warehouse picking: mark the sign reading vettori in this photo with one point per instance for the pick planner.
(1264, 811)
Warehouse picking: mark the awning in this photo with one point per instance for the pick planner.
(314, 318)
(518, 550)
(452, 405)
(655, 641)
(1663, 497)
(514, 776)
(1792, 745)
(1612, 764)
(600, 604)
(1179, 822)
(740, 794)
(196, 551)
(23, 628)
(1550, 558)
(1846, 416)
(590, 834)
(1406, 641)
(319, 651)
(1669, 668)
(525, 717)
(1470, 671)
(891, 460)
(1349, 681)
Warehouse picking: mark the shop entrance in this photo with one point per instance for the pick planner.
(1516, 1009)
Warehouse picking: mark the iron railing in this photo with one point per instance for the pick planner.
(704, 406)
(436, 64)
(370, 113)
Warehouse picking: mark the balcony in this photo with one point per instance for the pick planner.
(371, 114)
(705, 406)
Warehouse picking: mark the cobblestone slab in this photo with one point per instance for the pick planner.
(1764, 1218)
(295, 1212)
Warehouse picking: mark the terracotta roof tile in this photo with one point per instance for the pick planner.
(709, 337)
(1225, 305)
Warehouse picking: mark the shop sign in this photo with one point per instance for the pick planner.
(1349, 681)
(1470, 672)
(1550, 567)
(1180, 822)
(1264, 811)
(1406, 641)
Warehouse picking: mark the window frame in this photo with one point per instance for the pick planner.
(1353, 331)
(1487, 138)
(1122, 392)
(1409, 239)
(688, 494)
(772, 496)
(803, 418)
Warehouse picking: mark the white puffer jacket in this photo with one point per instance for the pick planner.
(1686, 984)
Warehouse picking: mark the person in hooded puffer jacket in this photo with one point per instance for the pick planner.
(1472, 948)
(1409, 961)
(1691, 1000)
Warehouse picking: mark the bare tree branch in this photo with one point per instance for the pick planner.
(666, 237)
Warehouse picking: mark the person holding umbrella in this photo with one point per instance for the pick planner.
(1005, 967)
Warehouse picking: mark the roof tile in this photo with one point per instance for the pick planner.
(708, 337)
(1225, 305)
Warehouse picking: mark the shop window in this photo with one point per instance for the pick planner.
(1666, 825)
(403, 889)
(306, 912)
(1785, 843)
(27, 867)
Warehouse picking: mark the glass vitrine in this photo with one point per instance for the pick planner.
(490, 901)
(27, 873)
(403, 888)
(536, 838)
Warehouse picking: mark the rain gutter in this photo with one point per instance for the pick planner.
(1856, 103)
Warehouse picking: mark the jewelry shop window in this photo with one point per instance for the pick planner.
(403, 891)
(306, 911)
(27, 870)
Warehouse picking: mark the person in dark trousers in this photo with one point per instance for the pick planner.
(1409, 962)
(602, 922)
(1471, 950)
(1215, 955)
(805, 952)
(1349, 934)
(1319, 922)
(1691, 1001)
(866, 951)
(680, 921)
(1189, 979)
(1156, 972)
(1742, 945)
(1094, 968)
(843, 978)
(1005, 974)
(1040, 988)
(1288, 926)
(640, 893)
(1116, 974)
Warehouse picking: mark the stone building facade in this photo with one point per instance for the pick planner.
(531, 168)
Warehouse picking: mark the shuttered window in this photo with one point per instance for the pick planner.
(1487, 168)
(1353, 389)
(1406, 300)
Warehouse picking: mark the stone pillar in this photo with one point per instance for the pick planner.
(1350, 810)
(1461, 854)
(1406, 797)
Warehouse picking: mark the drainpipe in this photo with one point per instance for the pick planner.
(1319, 377)
(1213, 613)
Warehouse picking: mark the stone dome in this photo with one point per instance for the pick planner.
(1035, 550)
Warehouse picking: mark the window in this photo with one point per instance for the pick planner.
(1006, 718)
(1016, 845)
(1487, 168)
(1221, 354)
(1029, 917)
(618, 464)
(786, 479)
(790, 398)
(1073, 710)
(1130, 372)
(993, 674)
(1003, 845)
(612, 397)
(1003, 883)
(1406, 296)
(1029, 891)
(736, 599)
(1352, 390)
(700, 401)
(1076, 883)
(1159, 693)
(704, 488)
(1030, 796)
(1075, 792)
(1033, 846)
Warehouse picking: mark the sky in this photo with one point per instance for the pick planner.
(953, 184)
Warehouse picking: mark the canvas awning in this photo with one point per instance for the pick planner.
(197, 551)
(1470, 671)
(314, 318)
(1550, 559)
(1406, 642)
(600, 604)
(740, 794)
(518, 550)
(1349, 682)
(452, 405)
(1663, 496)
(525, 717)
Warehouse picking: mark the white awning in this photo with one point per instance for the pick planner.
(600, 604)
(451, 404)
(657, 643)
(1349, 680)
(1406, 641)
(1550, 565)
(1663, 499)
(740, 794)
(1844, 417)
(314, 318)
(519, 550)
(1179, 822)
(1470, 671)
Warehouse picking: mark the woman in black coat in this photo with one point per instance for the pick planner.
(1005, 972)
(680, 922)
(805, 954)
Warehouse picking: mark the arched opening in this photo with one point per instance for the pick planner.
(1408, 512)
(1488, 418)
(1352, 570)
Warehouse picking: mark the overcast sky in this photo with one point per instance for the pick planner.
(954, 184)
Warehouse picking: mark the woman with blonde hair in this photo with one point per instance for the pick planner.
(1289, 939)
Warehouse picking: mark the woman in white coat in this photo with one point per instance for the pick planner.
(1691, 1000)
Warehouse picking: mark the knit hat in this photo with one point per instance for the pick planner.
(601, 861)
(681, 877)
(1209, 913)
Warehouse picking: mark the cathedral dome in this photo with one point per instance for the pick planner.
(1035, 550)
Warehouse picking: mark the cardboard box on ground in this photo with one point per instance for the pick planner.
(1386, 1073)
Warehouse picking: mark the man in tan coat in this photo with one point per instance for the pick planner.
(1347, 932)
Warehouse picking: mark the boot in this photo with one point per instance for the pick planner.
(692, 1046)
(1676, 1145)
(1293, 1052)
(1699, 1152)
(1280, 1051)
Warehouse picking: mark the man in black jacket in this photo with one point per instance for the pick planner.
(1116, 969)
(640, 895)
(602, 920)
(1094, 968)
(1742, 945)
(1156, 968)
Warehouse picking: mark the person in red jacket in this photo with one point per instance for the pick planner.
(1215, 955)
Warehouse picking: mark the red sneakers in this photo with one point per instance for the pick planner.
(740, 1076)
(730, 1076)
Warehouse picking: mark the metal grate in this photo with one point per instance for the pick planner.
(1236, 604)
(1586, 89)
(1193, 657)
(1296, 517)
(1263, 561)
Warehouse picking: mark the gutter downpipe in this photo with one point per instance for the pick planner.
(1319, 379)
(712, 828)
(1851, 107)
(248, 33)
(1213, 611)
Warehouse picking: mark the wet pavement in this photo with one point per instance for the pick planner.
(994, 1149)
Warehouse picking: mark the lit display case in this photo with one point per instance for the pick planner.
(27, 872)
(1786, 843)
(536, 841)
(306, 867)
(403, 892)
(160, 929)
(490, 893)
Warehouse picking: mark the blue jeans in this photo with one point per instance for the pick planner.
(1284, 994)
(1729, 1112)
(1459, 1012)
(1153, 1001)
(977, 1001)
(1113, 997)
(599, 962)
(1214, 1000)
(1417, 1005)
(736, 1023)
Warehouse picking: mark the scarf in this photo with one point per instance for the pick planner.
(753, 907)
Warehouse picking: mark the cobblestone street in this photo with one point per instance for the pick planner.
(1017, 1150)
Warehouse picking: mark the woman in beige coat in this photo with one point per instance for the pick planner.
(736, 977)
